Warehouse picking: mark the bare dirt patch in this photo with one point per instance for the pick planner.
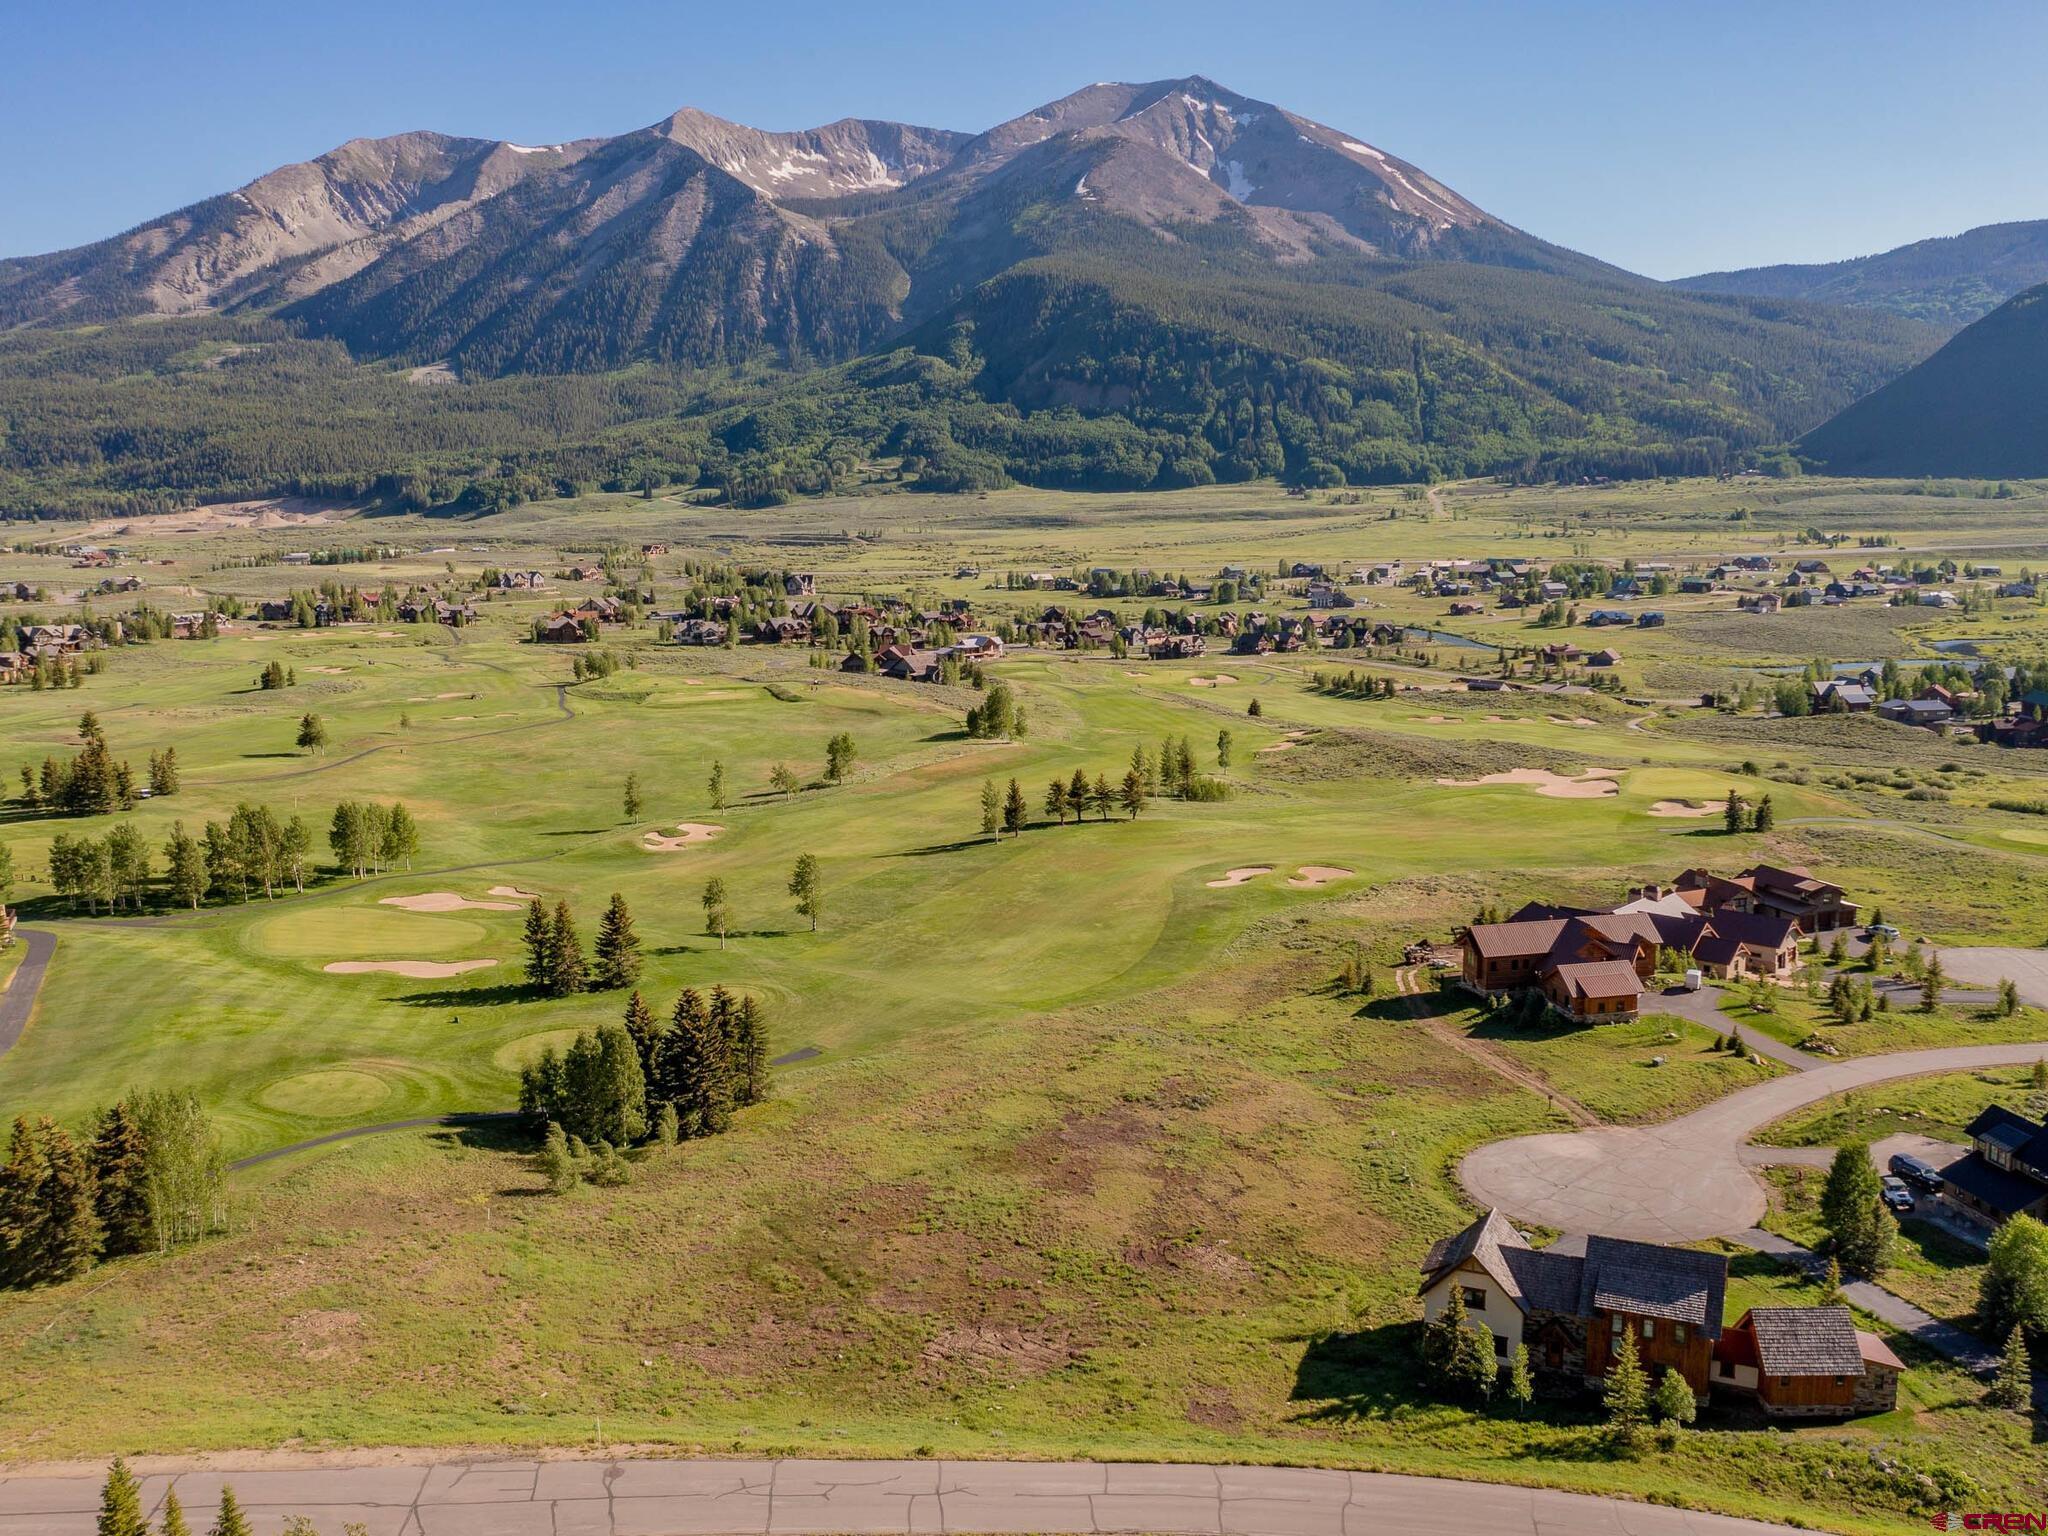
(267, 512)
(418, 970)
(1239, 876)
(1310, 875)
(1681, 808)
(1002, 1350)
(446, 901)
(1593, 784)
(687, 832)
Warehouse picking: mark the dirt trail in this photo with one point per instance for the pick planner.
(1410, 990)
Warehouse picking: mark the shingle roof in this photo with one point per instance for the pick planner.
(1549, 1281)
(1682, 1284)
(1484, 1241)
(1600, 978)
(1806, 1341)
(1876, 1352)
(2003, 1192)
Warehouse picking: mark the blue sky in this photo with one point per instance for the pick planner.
(1669, 138)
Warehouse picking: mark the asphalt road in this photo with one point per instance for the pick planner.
(1684, 1179)
(19, 1000)
(706, 1498)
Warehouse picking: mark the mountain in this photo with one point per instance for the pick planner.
(1947, 282)
(1978, 408)
(1220, 288)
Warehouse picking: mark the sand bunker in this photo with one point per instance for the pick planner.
(1318, 874)
(1211, 682)
(434, 698)
(688, 832)
(1574, 720)
(1239, 876)
(418, 970)
(1434, 719)
(1682, 808)
(446, 901)
(1286, 743)
(1590, 785)
(514, 892)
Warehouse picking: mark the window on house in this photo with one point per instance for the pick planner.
(1649, 1327)
(1475, 1297)
(1840, 1379)
(1500, 1347)
(1724, 1369)
(1678, 1333)
(1618, 1323)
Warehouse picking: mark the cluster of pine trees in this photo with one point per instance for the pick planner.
(997, 716)
(555, 963)
(121, 1512)
(368, 838)
(95, 783)
(149, 1177)
(621, 1084)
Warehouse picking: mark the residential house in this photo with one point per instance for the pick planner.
(1931, 713)
(14, 666)
(1606, 658)
(559, 629)
(697, 632)
(1759, 602)
(1939, 599)
(1601, 617)
(1696, 584)
(1807, 1362)
(2005, 1172)
(1836, 695)
(1572, 1310)
(1816, 906)
(799, 584)
(1653, 620)
(784, 630)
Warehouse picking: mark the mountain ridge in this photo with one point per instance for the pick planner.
(1949, 280)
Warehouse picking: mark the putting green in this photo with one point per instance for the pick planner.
(334, 932)
(337, 1093)
(514, 1054)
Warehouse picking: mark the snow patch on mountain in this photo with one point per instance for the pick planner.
(1239, 188)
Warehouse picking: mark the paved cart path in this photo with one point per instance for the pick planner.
(709, 1498)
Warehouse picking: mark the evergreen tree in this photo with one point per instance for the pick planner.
(1133, 796)
(1223, 748)
(750, 1064)
(693, 1068)
(991, 809)
(617, 952)
(668, 1126)
(717, 785)
(2013, 1386)
(71, 1222)
(312, 733)
(1932, 979)
(1831, 1283)
(1734, 813)
(1521, 1386)
(1253, 709)
(172, 1522)
(1056, 800)
(566, 975)
(121, 1504)
(629, 799)
(539, 939)
(645, 1031)
(1627, 1397)
(1673, 1402)
(1015, 811)
(120, 1168)
(717, 916)
(807, 886)
(1101, 796)
(229, 1519)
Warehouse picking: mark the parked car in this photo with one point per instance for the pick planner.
(1886, 929)
(1921, 1175)
(1895, 1193)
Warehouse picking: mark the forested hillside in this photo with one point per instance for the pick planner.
(1977, 408)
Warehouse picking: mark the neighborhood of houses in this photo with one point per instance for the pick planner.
(1571, 1305)
(1592, 966)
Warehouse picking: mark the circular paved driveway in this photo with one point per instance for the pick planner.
(1683, 1180)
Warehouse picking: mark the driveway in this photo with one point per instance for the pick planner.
(2027, 969)
(1685, 1179)
(708, 1498)
(19, 1000)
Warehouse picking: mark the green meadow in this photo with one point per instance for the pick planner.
(1087, 1152)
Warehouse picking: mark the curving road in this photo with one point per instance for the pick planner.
(1685, 1179)
(524, 1497)
(19, 1000)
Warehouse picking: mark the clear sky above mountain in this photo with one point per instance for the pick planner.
(1669, 138)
